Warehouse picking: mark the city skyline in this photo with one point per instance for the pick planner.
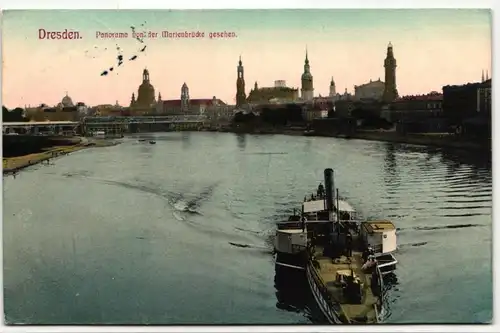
(433, 47)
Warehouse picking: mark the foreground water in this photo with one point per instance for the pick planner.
(180, 232)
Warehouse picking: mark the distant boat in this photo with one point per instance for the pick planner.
(142, 140)
(309, 132)
(152, 142)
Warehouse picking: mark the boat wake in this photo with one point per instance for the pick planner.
(178, 201)
(252, 246)
(186, 207)
(439, 227)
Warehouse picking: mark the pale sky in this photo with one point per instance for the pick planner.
(433, 47)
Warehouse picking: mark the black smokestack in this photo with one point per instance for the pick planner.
(329, 188)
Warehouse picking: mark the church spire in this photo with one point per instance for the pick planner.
(482, 75)
(132, 100)
(487, 76)
(240, 85)
(390, 90)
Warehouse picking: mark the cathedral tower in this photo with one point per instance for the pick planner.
(333, 92)
(241, 97)
(307, 91)
(390, 91)
(184, 97)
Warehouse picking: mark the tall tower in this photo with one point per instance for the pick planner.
(146, 93)
(132, 100)
(241, 97)
(184, 97)
(390, 91)
(333, 92)
(307, 91)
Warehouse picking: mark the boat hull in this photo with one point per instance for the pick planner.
(293, 261)
(332, 312)
(328, 311)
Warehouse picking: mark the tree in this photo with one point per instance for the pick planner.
(16, 115)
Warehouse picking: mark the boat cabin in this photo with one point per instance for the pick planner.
(381, 235)
(316, 210)
(291, 240)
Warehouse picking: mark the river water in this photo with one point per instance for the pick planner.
(180, 232)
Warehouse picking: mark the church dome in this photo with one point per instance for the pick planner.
(67, 101)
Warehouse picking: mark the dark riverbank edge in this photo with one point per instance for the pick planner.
(12, 165)
(431, 140)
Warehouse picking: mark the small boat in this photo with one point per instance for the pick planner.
(337, 252)
(141, 140)
(152, 142)
(309, 132)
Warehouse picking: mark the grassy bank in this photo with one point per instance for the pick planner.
(15, 164)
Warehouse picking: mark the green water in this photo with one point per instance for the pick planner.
(140, 233)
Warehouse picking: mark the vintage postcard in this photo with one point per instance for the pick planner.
(218, 167)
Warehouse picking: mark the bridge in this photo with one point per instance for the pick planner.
(67, 128)
(144, 120)
(133, 124)
(113, 124)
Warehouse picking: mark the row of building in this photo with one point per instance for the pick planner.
(280, 93)
(146, 101)
(433, 111)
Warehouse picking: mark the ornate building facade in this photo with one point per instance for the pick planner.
(390, 90)
(307, 89)
(280, 93)
(373, 90)
(186, 105)
(63, 111)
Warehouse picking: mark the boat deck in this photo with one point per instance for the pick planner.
(365, 312)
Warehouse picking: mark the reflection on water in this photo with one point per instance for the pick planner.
(293, 294)
(186, 139)
(242, 140)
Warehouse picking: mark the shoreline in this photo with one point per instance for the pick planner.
(12, 165)
(428, 140)
(436, 140)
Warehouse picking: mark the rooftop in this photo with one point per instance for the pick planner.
(379, 226)
(427, 97)
(319, 205)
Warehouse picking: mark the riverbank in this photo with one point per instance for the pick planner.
(430, 139)
(440, 140)
(15, 164)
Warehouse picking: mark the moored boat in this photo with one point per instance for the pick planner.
(343, 270)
